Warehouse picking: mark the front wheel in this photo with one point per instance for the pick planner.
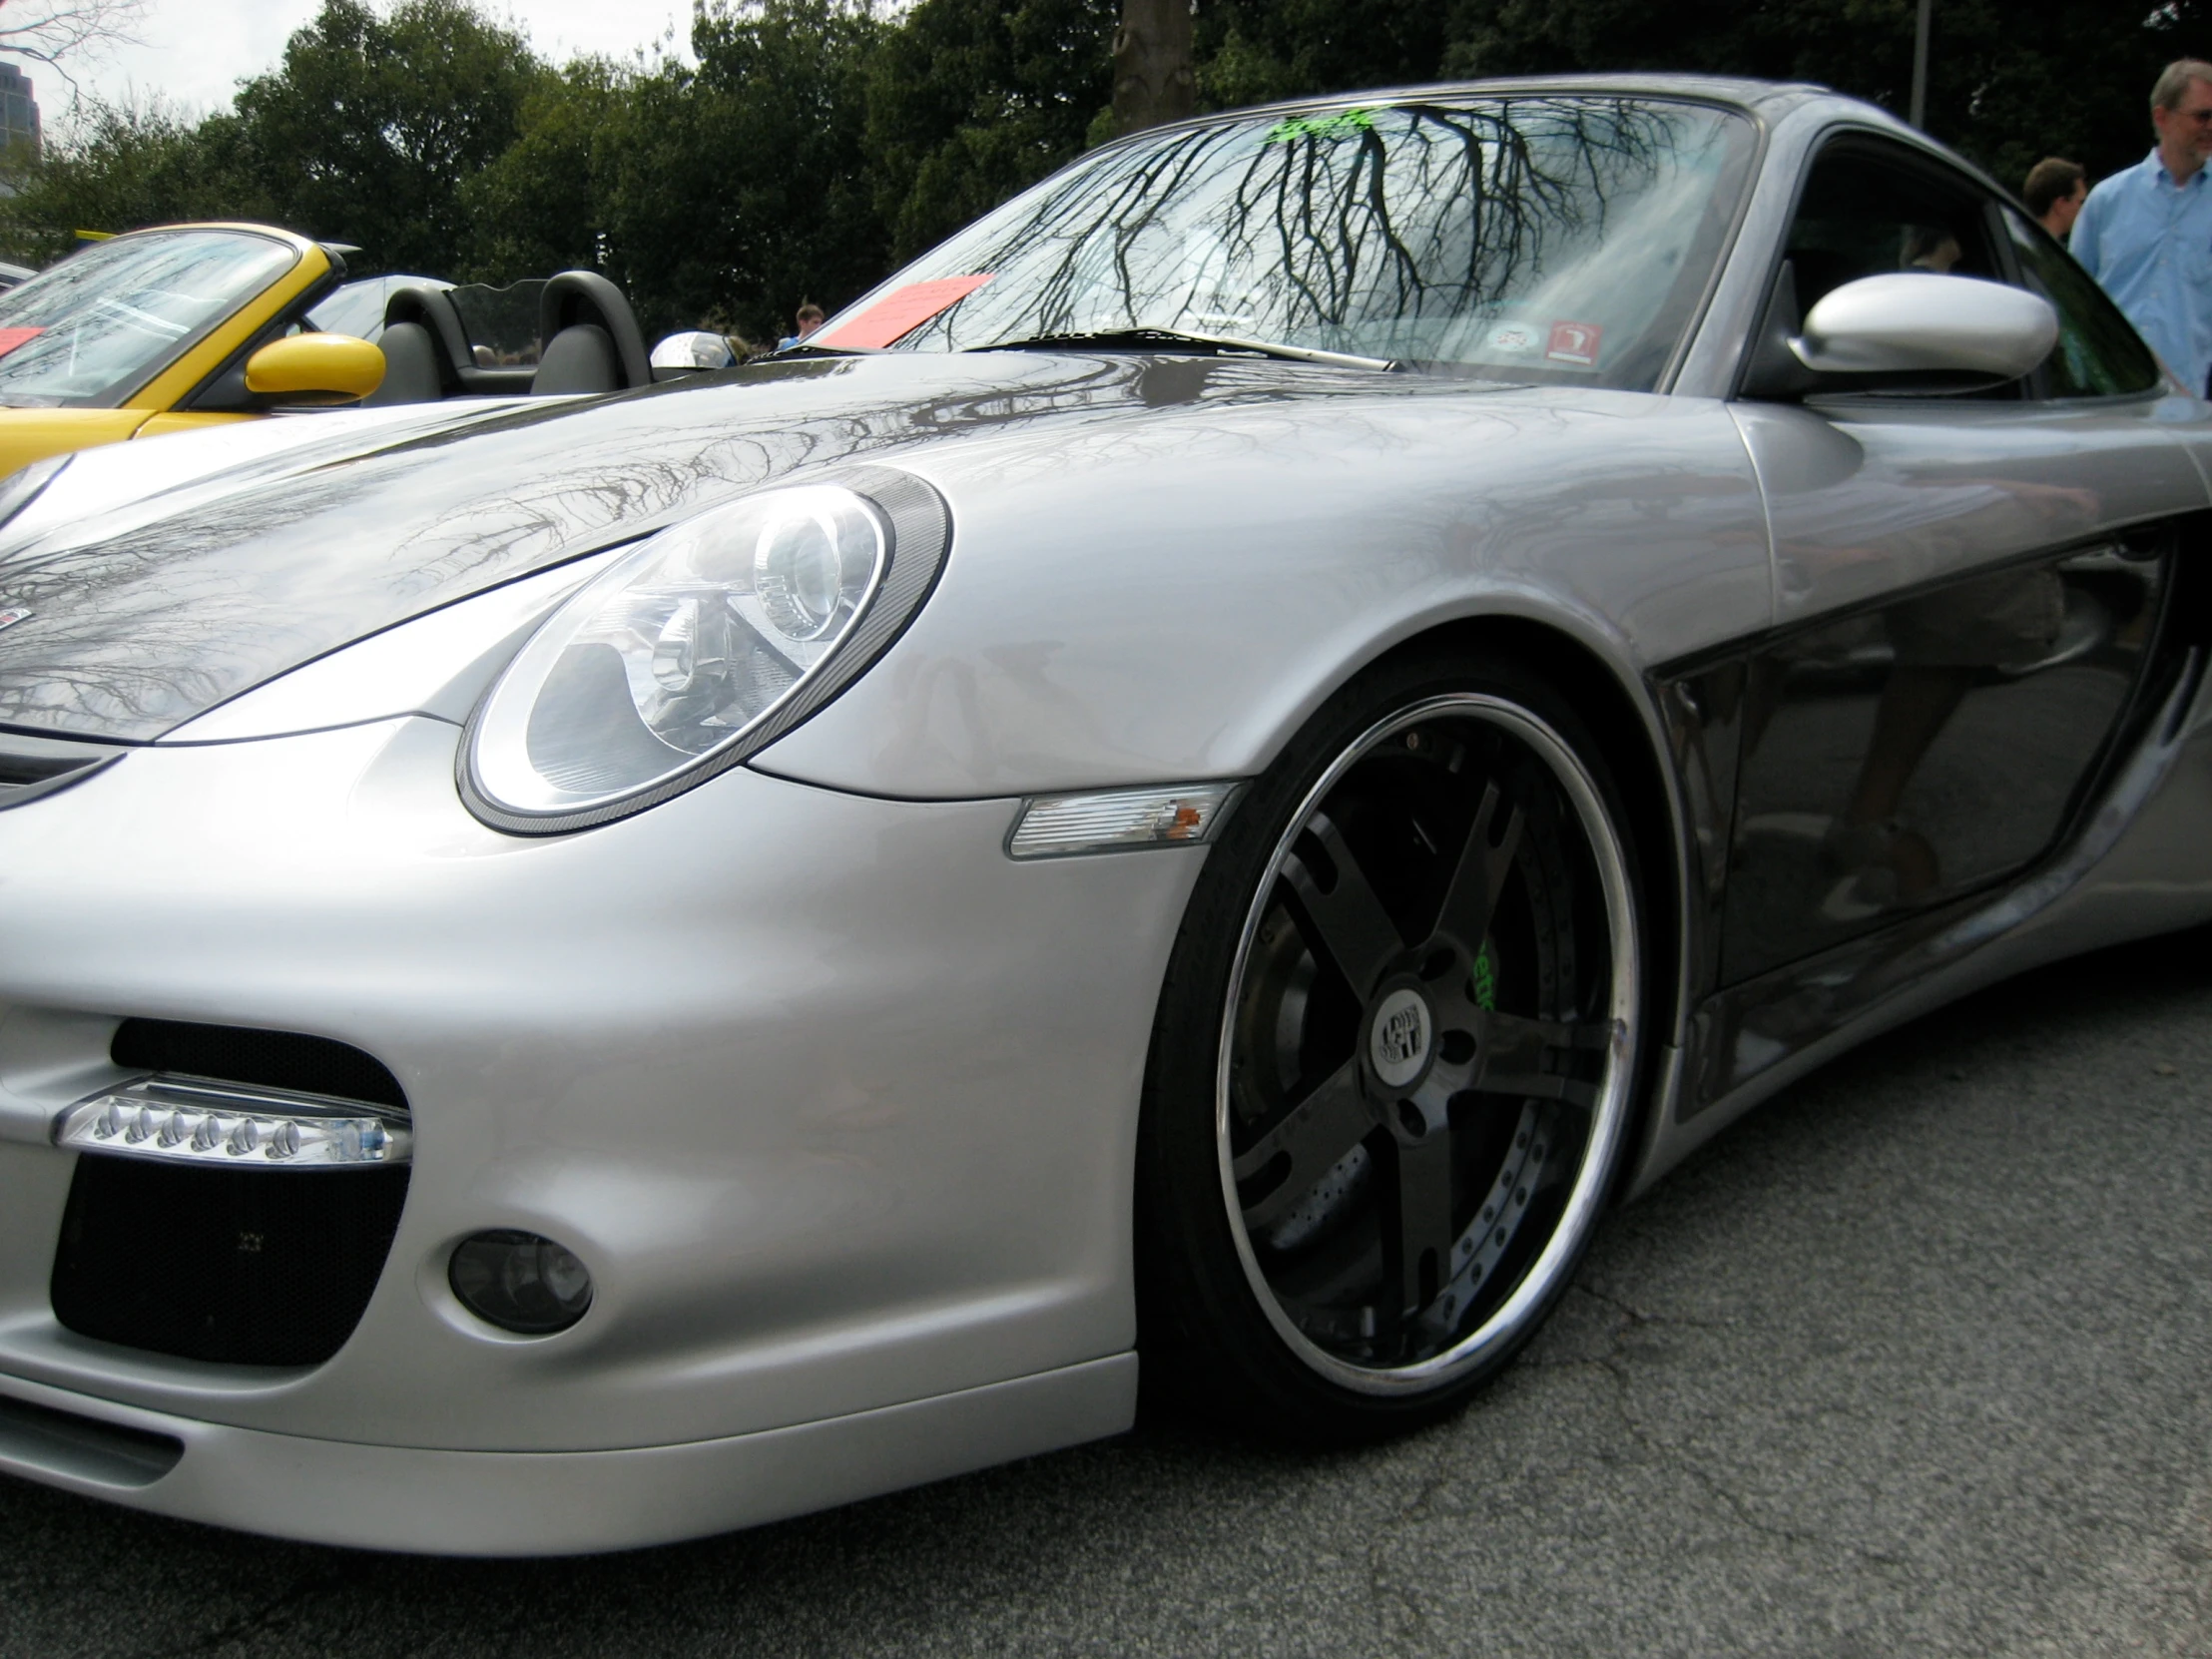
(1394, 1061)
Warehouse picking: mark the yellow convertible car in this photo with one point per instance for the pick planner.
(167, 330)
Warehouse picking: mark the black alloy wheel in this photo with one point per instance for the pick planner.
(1394, 1061)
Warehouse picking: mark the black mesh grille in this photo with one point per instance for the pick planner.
(276, 1059)
(246, 1267)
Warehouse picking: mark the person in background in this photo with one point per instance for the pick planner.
(810, 319)
(2055, 192)
(2146, 232)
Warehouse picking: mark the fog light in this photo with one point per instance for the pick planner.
(519, 1282)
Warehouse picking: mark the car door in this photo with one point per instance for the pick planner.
(1968, 584)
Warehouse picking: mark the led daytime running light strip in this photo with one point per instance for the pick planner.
(197, 1121)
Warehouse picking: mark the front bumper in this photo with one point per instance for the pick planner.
(546, 1504)
(836, 1101)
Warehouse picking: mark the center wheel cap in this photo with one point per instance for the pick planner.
(1399, 1037)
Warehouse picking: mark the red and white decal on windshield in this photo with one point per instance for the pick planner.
(1574, 342)
(902, 311)
(10, 339)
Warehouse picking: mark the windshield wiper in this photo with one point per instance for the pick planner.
(1179, 336)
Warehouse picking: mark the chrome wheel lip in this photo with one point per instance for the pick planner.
(1609, 1120)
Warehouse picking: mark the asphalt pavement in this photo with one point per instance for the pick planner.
(1918, 1360)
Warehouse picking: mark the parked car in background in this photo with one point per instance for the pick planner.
(168, 330)
(357, 307)
(1217, 768)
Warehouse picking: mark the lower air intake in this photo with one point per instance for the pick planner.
(242, 1267)
(253, 1266)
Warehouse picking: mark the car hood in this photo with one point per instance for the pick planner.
(146, 613)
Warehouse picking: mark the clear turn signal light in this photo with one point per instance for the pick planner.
(1112, 820)
(196, 1121)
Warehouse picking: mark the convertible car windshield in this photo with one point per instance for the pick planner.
(1546, 237)
(97, 327)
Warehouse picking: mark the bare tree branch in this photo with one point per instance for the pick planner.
(51, 31)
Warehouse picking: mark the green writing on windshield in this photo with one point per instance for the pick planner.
(1344, 124)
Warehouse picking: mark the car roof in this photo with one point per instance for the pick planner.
(1767, 100)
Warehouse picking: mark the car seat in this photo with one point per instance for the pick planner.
(592, 341)
(422, 332)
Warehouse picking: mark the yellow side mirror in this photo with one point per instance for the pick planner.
(316, 368)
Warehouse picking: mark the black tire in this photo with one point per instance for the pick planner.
(1329, 1108)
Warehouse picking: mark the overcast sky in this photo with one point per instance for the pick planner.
(196, 51)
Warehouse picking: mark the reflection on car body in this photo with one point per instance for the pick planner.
(1212, 770)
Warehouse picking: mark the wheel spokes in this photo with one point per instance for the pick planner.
(1419, 1236)
(1480, 1247)
(1485, 861)
(1304, 1144)
(1517, 1056)
(1348, 924)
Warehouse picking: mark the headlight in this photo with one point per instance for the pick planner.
(707, 642)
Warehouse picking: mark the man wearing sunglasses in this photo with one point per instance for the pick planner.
(2146, 232)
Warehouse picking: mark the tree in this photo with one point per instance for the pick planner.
(971, 101)
(371, 127)
(540, 206)
(1154, 80)
(739, 190)
(122, 167)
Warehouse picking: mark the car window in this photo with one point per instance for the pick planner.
(2100, 353)
(358, 308)
(1557, 237)
(1866, 211)
(501, 323)
(94, 329)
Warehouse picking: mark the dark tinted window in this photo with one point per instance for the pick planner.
(1865, 214)
(2100, 354)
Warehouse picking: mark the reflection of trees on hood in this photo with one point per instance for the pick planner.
(1422, 211)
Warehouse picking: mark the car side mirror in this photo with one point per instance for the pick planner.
(1905, 330)
(694, 352)
(316, 368)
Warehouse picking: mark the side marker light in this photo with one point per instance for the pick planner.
(1118, 821)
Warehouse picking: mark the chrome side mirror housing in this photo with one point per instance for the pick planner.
(1902, 330)
(694, 352)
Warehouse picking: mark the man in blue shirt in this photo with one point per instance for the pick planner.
(2146, 233)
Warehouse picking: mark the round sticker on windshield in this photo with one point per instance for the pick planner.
(1574, 342)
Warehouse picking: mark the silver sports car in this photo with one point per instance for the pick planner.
(1199, 782)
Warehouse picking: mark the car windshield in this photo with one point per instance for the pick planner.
(1565, 238)
(99, 325)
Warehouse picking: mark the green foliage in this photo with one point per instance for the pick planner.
(970, 101)
(537, 208)
(128, 168)
(373, 124)
(739, 190)
(819, 143)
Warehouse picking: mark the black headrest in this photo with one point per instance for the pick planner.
(585, 297)
(433, 309)
(412, 372)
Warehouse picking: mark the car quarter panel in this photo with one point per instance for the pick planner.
(836, 1101)
(1170, 599)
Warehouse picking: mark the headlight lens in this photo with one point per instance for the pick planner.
(708, 641)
